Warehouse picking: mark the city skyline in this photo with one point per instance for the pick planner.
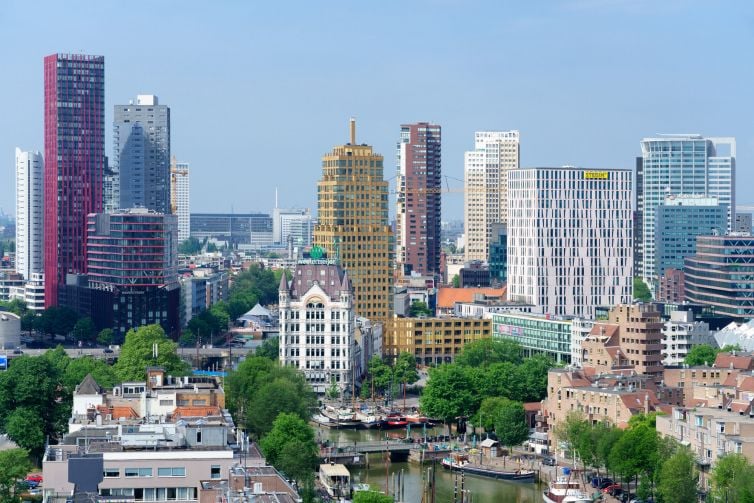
(256, 106)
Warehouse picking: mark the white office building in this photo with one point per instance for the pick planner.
(29, 213)
(317, 324)
(179, 197)
(679, 334)
(569, 239)
(486, 187)
(580, 330)
(680, 164)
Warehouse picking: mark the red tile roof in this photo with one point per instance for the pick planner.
(448, 296)
(729, 360)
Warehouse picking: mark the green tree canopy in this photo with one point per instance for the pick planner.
(404, 368)
(14, 465)
(489, 410)
(678, 478)
(270, 348)
(380, 373)
(290, 447)
(641, 290)
(456, 281)
(191, 246)
(419, 308)
(701, 354)
(136, 354)
(733, 479)
(78, 368)
(485, 352)
(450, 393)
(26, 428)
(510, 424)
(371, 497)
(105, 336)
(84, 329)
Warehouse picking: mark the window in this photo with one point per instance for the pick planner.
(214, 472)
(112, 472)
(198, 436)
(166, 403)
(138, 472)
(177, 471)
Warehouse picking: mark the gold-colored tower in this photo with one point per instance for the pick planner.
(353, 226)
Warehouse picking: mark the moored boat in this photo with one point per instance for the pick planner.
(417, 419)
(340, 418)
(369, 419)
(461, 462)
(565, 490)
(394, 420)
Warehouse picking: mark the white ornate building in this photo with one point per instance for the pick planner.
(317, 325)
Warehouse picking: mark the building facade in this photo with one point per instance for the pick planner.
(74, 125)
(672, 286)
(141, 153)
(681, 333)
(317, 325)
(569, 239)
(485, 176)
(353, 225)
(180, 197)
(678, 221)
(682, 164)
(238, 230)
(29, 213)
(719, 274)
(743, 223)
(537, 334)
(434, 341)
(418, 199)
(498, 259)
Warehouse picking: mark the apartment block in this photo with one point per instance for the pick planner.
(434, 340)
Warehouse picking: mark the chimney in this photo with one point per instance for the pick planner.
(646, 403)
(353, 130)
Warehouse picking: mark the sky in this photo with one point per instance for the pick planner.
(259, 91)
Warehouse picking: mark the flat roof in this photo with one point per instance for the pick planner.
(334, 470)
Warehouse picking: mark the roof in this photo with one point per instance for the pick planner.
(488, 443)
(532, 406)
(327, 275)
(447, 296)
(733, 361)
(118, 411)
(334, 470)
(206, 411)
(258, 310)
(89, 387)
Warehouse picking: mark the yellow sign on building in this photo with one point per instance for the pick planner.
(596, 175)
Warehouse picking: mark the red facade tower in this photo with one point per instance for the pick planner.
(418, 210)
(74, 87)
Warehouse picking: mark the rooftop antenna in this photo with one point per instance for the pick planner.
(276, 197)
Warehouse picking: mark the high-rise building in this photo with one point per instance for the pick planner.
(418, 199)
(682, 164)
(291, 226)
(242, 230)
(74, 87)
(678, 221)
(110, 189)
(180, 197)
(317, 324)
(569, 239)
(486, 171)
(141, 153)
(29, 213)
(353, 224)
(718, 275)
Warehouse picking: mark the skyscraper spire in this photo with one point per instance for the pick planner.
(353, 130)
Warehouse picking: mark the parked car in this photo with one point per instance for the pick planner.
(549, 461)
(599, 481)
(107, 350)
(34, 477)
(612, 489)
(18, 351)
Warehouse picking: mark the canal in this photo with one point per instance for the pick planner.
(482, 490)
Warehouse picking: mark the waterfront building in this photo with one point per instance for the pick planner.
(486, 170)
(141, 153)
(718, 275)
(74, 126)
(434, 341)
(537, 334)
(681, 164)
(353, 225)
(680, 334)
(418, 199)
(250, 230)
(29, 213)
(678, 221)
(569, 239)
(180, 197)
(317, 324)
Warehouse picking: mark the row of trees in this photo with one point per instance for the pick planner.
(384, 378)
(485, 369)
(659, 466)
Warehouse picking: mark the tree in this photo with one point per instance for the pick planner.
(270, 348)
(380, 373)
(405, 371)
(105, 336)
(14, 465)
(78, 368)
(371, 497)
(569, 430)
(733, 479)
(485, 352)
(137, 354)
(290, 446)
(678, 478)
(450, 393)
(701, 354)
(456, 281)
(84, 329)
(211, 247)
(532, 378)
(489, 411)
(333, 391)
(419, 308)
(641, 290)
(287, 392)
(510, 424)
(187, 339)
(191, 246)
(26, 428)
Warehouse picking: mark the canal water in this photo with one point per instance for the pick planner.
(482, 490)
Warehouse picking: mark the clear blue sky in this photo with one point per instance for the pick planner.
(260, 90)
